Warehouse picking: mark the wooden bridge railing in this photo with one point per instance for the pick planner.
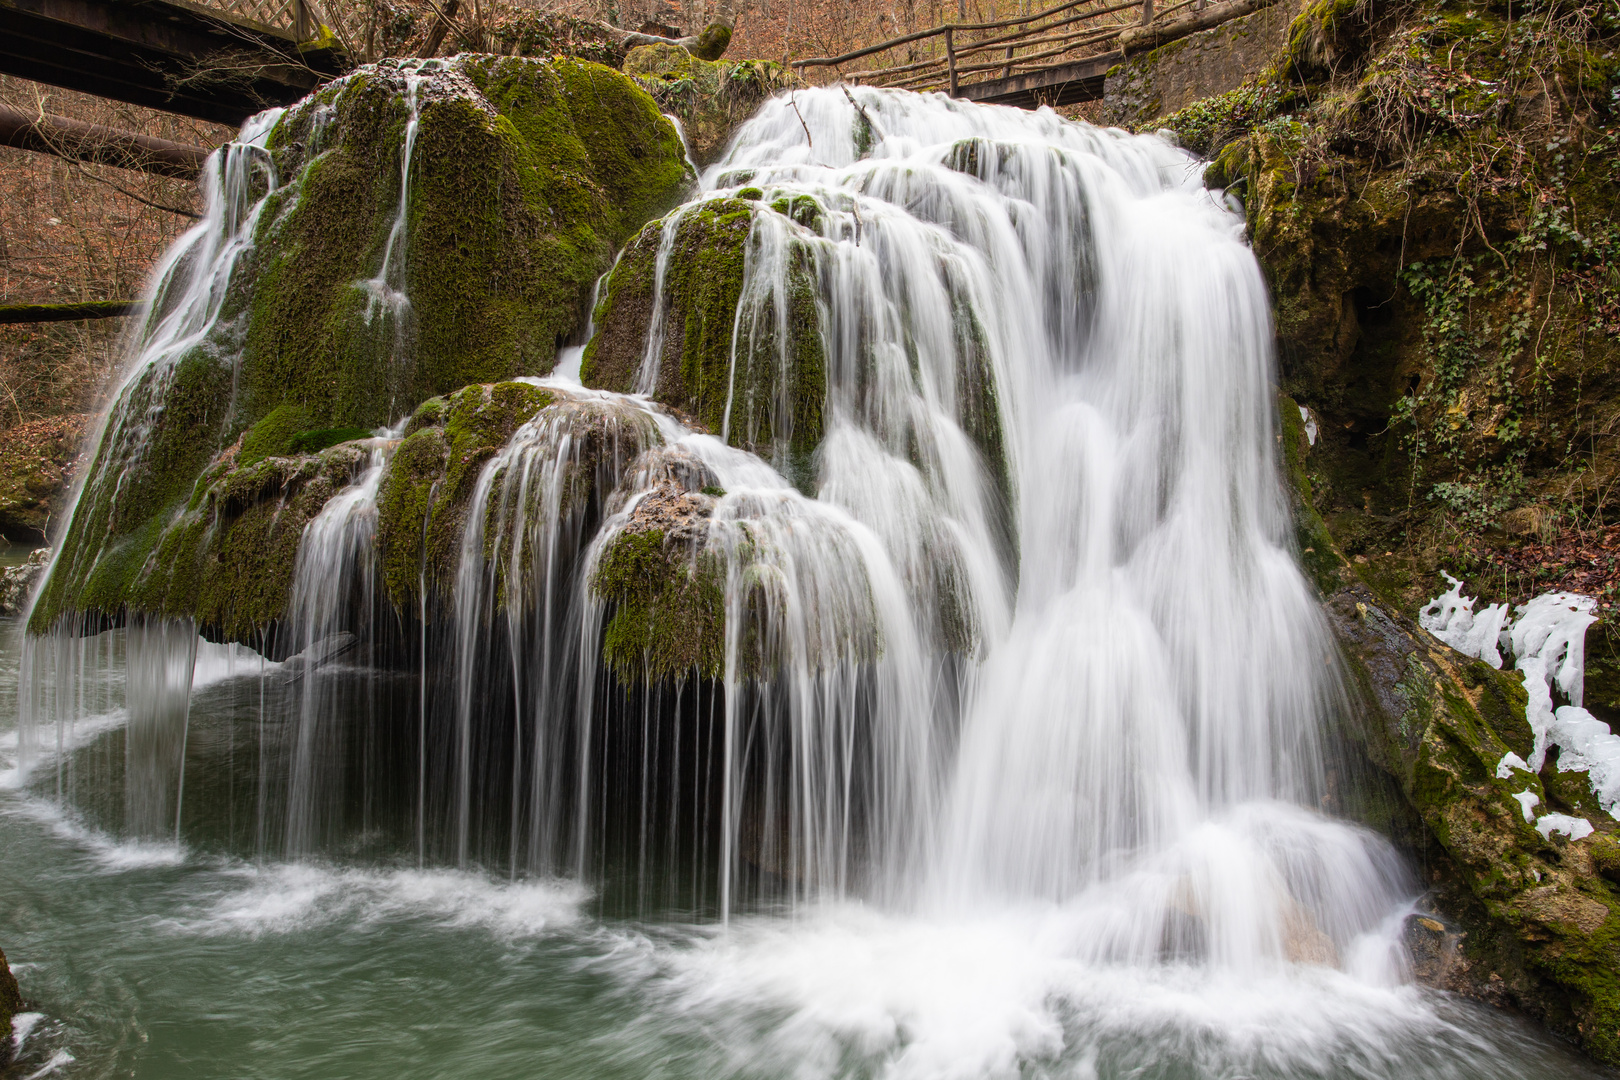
(297, 20)
(952, 52)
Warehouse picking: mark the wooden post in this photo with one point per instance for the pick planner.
(1147, 12)
(1006, 72)
(300, 21)
(950, 58)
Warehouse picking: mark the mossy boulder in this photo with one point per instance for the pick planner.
(666, 591)
(524, 177)
(422, 501)
(227, 559)
(558, 474)
(1541, 916)
(752, 368)
(710, 98)
(10, 1005)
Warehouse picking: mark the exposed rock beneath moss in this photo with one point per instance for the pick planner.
(666, 591)
(10, 1005)
(38, 461)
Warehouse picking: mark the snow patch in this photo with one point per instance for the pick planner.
(1509, 762)
(1576, 828)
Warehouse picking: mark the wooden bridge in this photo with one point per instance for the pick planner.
(1058, 56)
(219, 60)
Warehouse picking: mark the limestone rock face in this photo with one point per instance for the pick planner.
(1540, 922)
(38, 461)
(355, 296)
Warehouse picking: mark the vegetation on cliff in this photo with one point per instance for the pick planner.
(1432, 189)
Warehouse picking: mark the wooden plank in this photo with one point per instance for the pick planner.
(1061, 85)
(934, 31)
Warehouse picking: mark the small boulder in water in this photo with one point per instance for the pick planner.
(10, 1005)
(17, 582)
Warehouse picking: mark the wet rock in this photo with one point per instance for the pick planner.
(1525, 921)
(10, 1005)
(666, 590)
(17, 582)
(38, 461)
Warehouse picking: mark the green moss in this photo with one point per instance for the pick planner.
(712, 42)
(274, 434)
(311, 442)
(1320, 556)
(422, 500)
(668, 606)
(775, 409)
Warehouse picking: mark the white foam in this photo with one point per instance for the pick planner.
(851, 991)
(57, 1060)
(1573, 827)
(22, 1025)
(290, 898)
(219, 663)
(113, 854)
(81, 732)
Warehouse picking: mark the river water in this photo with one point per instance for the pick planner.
(1015, 766)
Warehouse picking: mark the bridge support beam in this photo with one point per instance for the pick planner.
(164, 54)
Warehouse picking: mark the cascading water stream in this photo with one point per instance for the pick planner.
(1013, 736)
(385, 293)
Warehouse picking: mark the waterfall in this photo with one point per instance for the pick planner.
(1023, 628)
(385, 293)
(69, 679)
(334, 597)
(1039, 634)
